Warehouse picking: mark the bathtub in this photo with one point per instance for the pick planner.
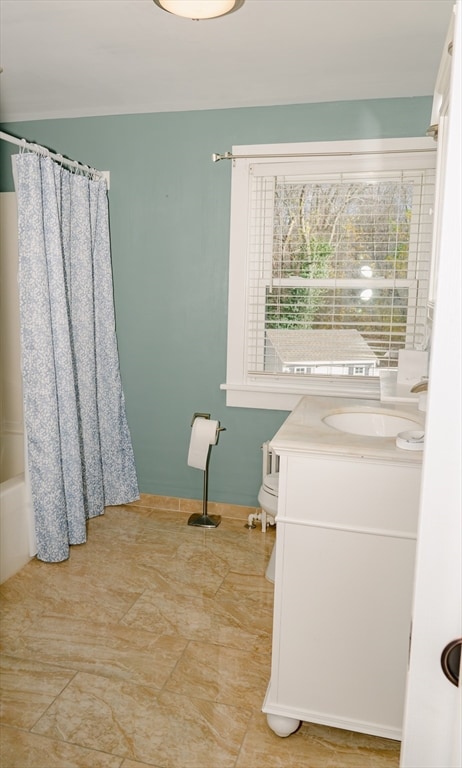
(15, 534)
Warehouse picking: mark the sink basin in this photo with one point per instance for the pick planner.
(371, 423)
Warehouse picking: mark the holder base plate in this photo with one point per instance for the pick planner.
(204, 521)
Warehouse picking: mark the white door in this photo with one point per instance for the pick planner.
(432, 734)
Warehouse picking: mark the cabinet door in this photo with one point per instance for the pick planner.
(344, 627)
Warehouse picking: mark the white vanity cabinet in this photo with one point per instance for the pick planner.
(346, 531)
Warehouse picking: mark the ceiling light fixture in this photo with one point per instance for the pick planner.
(199, 9)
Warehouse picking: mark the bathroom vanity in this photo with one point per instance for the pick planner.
(346, 533)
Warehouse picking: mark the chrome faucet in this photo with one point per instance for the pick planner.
(421, 386)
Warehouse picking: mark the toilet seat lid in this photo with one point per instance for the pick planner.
(271, 483)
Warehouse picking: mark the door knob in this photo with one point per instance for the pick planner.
(450, 661)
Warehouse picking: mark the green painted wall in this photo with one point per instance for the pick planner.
(169, 206)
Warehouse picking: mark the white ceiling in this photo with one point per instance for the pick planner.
(70, 58)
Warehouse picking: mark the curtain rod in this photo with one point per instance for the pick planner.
(37, 148)
(229, 155)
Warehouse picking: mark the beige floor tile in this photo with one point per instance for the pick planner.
(19, 749)
(218, 673)
(196, 617)
(356, 750)
(165, 517)
(128, 528)
(136, 566)
(59, 591)
(27, 689)
(372, 758)
(254, 594)
(134, 722)
(111, 650)
(231, 511)
(193, 567)
(241, 554)
(18, 611)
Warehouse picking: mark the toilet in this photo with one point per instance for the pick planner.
(268, 499)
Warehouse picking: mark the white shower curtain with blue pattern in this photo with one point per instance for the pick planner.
(79, 449)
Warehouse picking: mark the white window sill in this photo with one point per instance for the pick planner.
(282, 396)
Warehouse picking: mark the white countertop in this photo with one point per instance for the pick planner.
(305, 431)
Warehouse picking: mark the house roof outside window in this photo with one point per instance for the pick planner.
(294, 348)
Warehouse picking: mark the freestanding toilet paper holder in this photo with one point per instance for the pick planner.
(204, 520)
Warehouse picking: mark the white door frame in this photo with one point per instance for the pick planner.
(432, 734)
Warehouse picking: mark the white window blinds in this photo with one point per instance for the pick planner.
(338, 267)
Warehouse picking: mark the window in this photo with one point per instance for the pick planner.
(330, 256)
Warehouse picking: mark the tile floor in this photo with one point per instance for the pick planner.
(150, 646)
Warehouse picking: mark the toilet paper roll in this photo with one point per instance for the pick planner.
(204, 433)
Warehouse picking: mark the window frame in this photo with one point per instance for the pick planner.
(269, 390)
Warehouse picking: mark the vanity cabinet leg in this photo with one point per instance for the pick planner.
(282, 726)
